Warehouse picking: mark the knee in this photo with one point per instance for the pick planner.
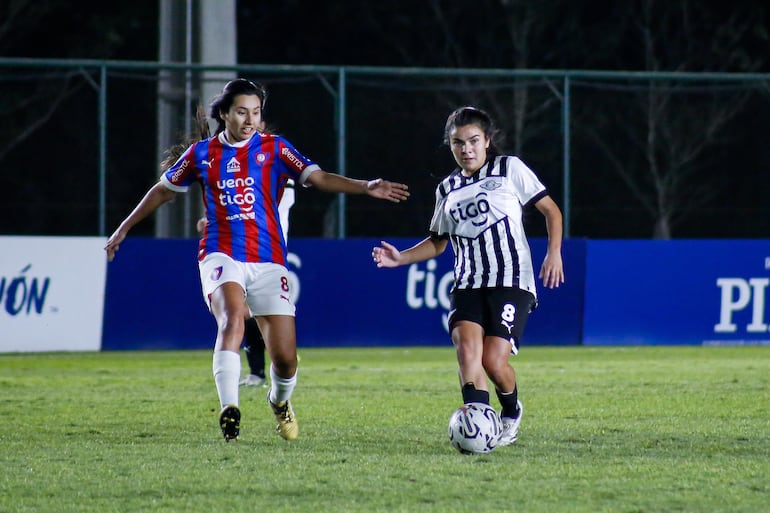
(230, 328)
(231, 323)
(494, 366)
(285, 364)
(467, 350)
(283, 353)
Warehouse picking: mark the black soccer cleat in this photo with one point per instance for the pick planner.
(230, 422)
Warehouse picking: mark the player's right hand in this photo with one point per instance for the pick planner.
(113, 244)
(386, 255)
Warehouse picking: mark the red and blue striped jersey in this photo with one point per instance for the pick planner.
(242, 185)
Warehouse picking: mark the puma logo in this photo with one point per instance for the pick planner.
(208, 163)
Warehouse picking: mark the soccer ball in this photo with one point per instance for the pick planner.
(474, 428)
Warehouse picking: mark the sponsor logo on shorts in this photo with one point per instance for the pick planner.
(216, 273)
(508, 316)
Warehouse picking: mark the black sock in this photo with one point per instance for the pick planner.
(471, 395)
(255, 347)
(509, 402)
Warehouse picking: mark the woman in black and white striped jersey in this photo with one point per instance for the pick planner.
(479, 209)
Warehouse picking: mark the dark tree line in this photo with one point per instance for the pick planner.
(652, 153)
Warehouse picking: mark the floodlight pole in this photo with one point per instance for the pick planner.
(102, 124)
(565, 122)
(341, 136)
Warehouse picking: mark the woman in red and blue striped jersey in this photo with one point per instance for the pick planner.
(242, 254)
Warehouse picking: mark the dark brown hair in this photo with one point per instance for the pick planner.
(472, 116)
(221, 103)
(225, 99)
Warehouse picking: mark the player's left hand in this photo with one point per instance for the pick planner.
(552, 271)
(387, 190)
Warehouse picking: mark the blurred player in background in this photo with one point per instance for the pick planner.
(479, 208)
(242, 254)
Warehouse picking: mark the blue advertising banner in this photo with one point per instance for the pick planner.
(345, 300)
(154, 301)
(680, 292)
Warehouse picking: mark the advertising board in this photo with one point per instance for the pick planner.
(154, 299)
(677, 292)
(51, 293)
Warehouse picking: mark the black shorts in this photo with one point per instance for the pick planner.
(501, 312)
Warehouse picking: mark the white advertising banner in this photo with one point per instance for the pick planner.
(51, 293)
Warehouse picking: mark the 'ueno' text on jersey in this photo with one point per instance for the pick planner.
(242, 186)
(482, 215)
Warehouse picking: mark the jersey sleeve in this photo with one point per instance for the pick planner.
(438, 224)
(181, 175)
(299, 167)
(525, 182)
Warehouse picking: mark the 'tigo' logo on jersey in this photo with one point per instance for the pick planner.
(237, 191)
(474, 210)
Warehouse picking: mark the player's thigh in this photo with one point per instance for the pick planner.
(269, 290)
(228, 302)
(496, 355)
(507, 311)
(465, 324)
(216, 269)
(467, 306)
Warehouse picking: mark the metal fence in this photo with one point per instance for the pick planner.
(625, 154)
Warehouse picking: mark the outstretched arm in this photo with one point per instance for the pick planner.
(552, 270)
(155, 197)
(386, 255)
(379, 188)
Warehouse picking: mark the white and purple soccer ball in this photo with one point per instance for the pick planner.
(474, 428)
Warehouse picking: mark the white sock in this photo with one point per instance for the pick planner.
(281, 388)
(227, 370)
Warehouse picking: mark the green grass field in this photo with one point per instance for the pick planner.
(636, 430)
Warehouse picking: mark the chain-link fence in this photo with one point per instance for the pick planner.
(626, 155)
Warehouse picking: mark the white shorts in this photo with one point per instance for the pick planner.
(266, 285)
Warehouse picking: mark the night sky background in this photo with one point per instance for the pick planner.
(396, 125)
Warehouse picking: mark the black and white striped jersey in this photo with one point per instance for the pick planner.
(482, 216)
